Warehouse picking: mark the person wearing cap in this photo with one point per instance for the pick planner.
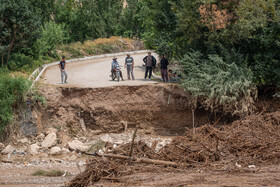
(115, 64)
(62, 67)
(129, 64)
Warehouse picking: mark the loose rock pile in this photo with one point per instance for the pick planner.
(47, 142)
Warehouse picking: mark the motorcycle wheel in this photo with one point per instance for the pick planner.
(113, 77)
(118, 77)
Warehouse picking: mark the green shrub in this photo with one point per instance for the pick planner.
(219, 86)
(75, 52)
(12, 93)
(128, 34)
(52, 35)
(106, 48)
(18, 61)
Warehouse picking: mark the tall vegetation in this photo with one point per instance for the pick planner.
(12, 93)
(226, 48)
(19, 27)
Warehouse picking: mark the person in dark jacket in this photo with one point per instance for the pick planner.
(150, 62)
(163, 67)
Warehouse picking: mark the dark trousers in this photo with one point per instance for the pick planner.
(164, 75)
(148, 70)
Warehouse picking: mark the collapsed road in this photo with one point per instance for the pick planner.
(94, 114)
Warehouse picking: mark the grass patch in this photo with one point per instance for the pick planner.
(96, 47)
(52, 173)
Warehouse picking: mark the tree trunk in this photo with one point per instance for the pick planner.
(141, 160)
(11, 45)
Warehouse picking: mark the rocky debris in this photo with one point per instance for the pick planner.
(50, 130)
(41, 136)
(64, 141)
(22, 150)
(55, 151)
(83, 126)
(50, 140)
(24, 141)
(65, 150)
(96, 132)
(8, 158)
(119, 139)
(2, 146)
(107, 138)
(76, 145)
(33, 149)
(8, 150)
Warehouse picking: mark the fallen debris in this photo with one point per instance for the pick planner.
(8, 150)
(76, 145)
(34, 149)
(50, 140)
(234, 148)
(140, 160)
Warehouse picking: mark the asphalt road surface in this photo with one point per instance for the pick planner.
(96, 73)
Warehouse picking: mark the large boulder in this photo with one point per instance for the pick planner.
(50, 140)
(34, 149)
(8, 150)
(55, 151)
(76, 145)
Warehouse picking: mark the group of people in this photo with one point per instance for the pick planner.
(150, 63)
(149, 60)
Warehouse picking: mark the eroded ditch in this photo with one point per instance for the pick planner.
(157, 109)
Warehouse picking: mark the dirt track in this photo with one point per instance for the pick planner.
(95, 73)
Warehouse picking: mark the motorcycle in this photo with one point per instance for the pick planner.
(116, 73)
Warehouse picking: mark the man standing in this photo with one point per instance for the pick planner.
(62, 66)
(163, 67)
(129, 64)
(150, 62)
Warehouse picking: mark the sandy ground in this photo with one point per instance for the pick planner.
(96, 73)
(21, 176)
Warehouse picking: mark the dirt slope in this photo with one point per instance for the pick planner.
(158, 109)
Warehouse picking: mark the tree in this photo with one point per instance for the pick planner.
(160, 24)
(131, 23)
(52, 34)
(87, 19)
(19, 26)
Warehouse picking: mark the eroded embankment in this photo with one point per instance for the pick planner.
(158, 109)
